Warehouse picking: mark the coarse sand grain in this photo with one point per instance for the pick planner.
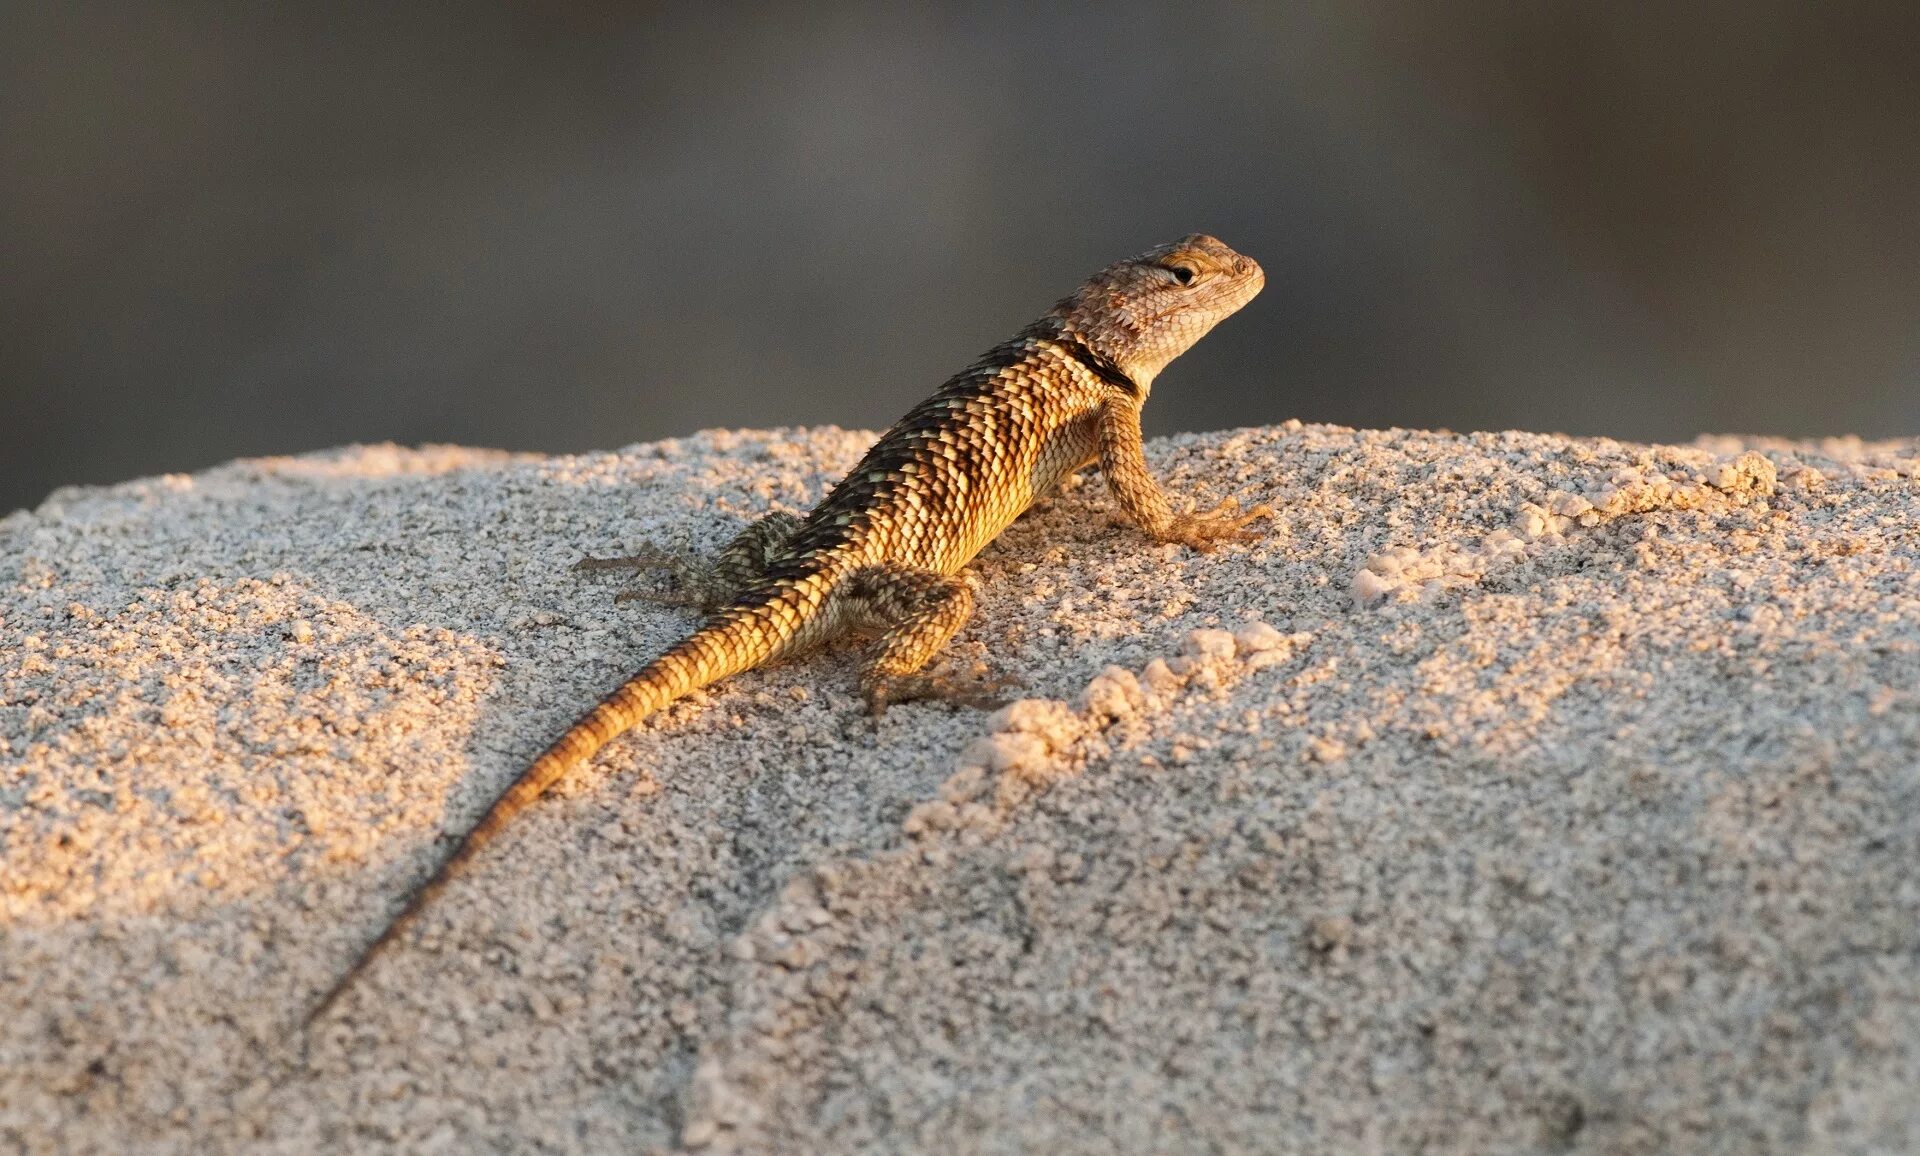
(1518, 794)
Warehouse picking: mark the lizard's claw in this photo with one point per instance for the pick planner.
(1223, 523)
(650, 557)
(981, 691)
(686, 575)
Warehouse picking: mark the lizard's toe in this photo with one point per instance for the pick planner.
(1223, 523)
(977, 689)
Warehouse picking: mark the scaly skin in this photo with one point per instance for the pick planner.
(884, 551)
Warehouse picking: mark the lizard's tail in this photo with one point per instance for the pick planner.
(737, 641)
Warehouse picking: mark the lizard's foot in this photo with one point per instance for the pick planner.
(1223, 523)
(650, 557)
(690, 578)
(979, 689)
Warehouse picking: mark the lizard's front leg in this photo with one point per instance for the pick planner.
(1124, 464)
(712, 585)
(918, 612)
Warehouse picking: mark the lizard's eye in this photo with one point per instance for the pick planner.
(1182, 274)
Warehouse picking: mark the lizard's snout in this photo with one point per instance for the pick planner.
(1249, 271)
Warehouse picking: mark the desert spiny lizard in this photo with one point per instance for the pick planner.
(883, 553)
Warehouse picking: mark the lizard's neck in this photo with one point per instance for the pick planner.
(1136, 380)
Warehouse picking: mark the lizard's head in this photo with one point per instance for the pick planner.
(1143, 312)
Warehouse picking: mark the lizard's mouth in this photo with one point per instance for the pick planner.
(1250, 289)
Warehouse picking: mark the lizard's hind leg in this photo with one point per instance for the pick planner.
(918, 612)
(744, 560)
(709, 585)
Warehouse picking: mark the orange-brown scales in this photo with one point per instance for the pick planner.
(883, 553)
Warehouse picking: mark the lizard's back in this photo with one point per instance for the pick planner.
(963, 464)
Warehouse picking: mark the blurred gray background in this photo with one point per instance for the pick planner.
(245, 230)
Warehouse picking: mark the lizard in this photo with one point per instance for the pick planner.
(884, 552)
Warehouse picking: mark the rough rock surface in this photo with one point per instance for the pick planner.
(1519, 794)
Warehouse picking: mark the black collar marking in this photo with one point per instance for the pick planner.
(1103, 369)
